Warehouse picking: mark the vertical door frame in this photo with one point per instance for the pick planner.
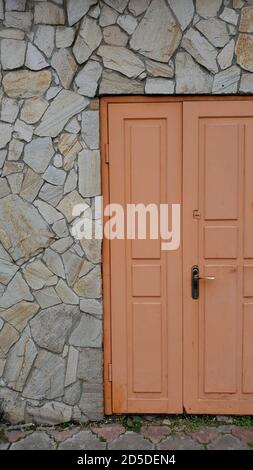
(106, 270)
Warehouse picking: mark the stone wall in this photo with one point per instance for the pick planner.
(57, 57)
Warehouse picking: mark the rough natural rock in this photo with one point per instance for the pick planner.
(54, 175)
(90, 129)
(12, 53)
(159, 86)
(225, 57)
(118, 5)
(51, 194)
(88, 39)
(23, 231)
(33, 109)
(17, 290)
(8, 337)
(90, 285)
(214, 30)
(66, 295)
(246, 85)
(4, 191)
(15, 149)
(51, 326)
(88, 333)
(122, 60)
(87, 79)
(89, 173)
(19, 362)
(31, 185)
(13, 405)
(44, 39)
(11, 33)
(207, 8)
(47, 377)
(157, 69)
(89, 365)
(47, 297)
(26, 84)
(34, 58)
(5, 134)
(18, 19)
(128, 23)
(71, 181)
(122, 85)
(157, 23)
(137, 7)
(65, 65)
(19, 315)
(230, 16)
(12, 167)
(107, 16)
(244, 52)
(227, 80)
(15, 182)
(9, 110)
(184, 11)
(53, 412)
(67, 204)
(65, 105)
(72, 363)
(91, 306)
(38, 153)
(114, 36)
(48, 13)
(72, 394)
(190, 77)
(200, 49)
(54, 262)
(76, 9)
(64, 36)
(246, 23)
(73, 266)
(23, 131)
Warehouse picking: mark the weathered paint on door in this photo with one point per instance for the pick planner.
(146, 316)
(147, 331)
(218, 328)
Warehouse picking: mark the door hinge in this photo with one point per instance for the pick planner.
(107, 153)
(110, 372)
(196, 214)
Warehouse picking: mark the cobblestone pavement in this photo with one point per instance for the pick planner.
(133, 433)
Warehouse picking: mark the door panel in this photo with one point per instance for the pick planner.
(218, 327)
(145, 149)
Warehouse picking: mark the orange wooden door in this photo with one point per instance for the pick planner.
(218, 237)
(145, 152)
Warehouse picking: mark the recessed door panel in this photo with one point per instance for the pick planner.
(146, 293)
(217, 184)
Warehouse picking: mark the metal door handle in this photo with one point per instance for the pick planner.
(195, 281)
(207, 278)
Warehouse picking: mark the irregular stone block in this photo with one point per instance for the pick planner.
(65, 105)
(122, 60)
(51, 327)
(19, 362)
(25, 84)
(19, 315)
(190, 77)
(121, 85)
(38, 153)
(34, 59)
(46, 380)
(48, 13)
(158, 23)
